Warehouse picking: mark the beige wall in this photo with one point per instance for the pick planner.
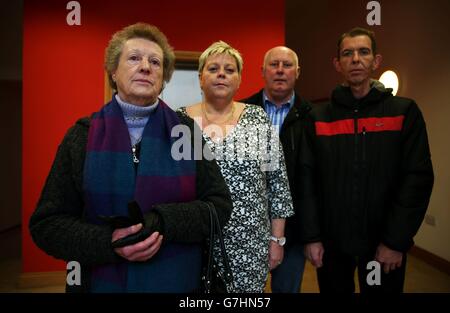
(414, 39)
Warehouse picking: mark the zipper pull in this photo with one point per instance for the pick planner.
(364, 146)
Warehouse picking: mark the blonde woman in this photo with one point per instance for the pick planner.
(240, 137)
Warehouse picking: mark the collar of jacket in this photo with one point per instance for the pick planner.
(342, 95)
(298, 111)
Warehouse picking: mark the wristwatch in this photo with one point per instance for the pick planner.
(279, 240)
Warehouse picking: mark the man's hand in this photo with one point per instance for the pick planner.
(141, 251)
(276, 254)
(390, 259)
(314, 253)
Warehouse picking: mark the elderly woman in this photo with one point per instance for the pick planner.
(121, 158)
(240, 137)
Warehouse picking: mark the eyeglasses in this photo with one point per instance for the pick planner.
(362, 52)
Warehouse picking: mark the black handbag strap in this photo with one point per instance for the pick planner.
(210, 252)
(216, 231)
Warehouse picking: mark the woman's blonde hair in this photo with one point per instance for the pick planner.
(220, 47)
(138, 30)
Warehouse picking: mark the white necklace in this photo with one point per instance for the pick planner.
(226, 120)
(133, 150)
(134, 147)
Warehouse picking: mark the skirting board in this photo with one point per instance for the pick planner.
(41, 279)
(432, 259)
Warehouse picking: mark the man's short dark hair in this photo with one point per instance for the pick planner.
(358, 31)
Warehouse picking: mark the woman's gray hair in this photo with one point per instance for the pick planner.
(138, 30)
(220, 47)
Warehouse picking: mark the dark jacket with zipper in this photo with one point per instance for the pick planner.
(59, 227)
(369, 163)
(290, 137)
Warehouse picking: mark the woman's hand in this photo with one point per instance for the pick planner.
(276, 254)
(141, 251)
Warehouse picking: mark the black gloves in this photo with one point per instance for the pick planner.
(151, 223)
(154, 221)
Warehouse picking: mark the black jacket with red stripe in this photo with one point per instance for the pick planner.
(367, 172)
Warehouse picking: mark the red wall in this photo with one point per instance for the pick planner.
(63, 69)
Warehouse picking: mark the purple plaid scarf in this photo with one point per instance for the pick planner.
(110, 182)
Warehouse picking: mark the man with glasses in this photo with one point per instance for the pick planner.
(367, 162)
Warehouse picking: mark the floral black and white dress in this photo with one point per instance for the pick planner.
(252, 164)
